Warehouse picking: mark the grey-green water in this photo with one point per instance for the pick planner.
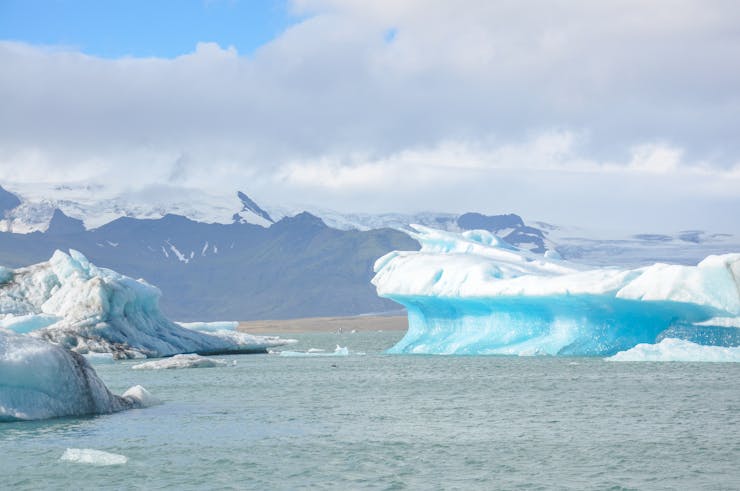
(400, 422)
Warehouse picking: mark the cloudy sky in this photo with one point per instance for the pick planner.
(622, 114)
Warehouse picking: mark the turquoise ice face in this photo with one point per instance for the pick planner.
(466, 295)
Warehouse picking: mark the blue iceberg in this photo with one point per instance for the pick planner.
(40, 380)
(472, 293)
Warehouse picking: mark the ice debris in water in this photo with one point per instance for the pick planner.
(72, 302)
(143, 397)
(670, 349)
(181, 361)
(93, 457)
(472, 293)
(338, 351)
(40, 380)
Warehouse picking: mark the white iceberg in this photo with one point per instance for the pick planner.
(472, 293)
(338, 351)
(181, 361)
(39, 380)
(92, 457)
(72, 302)
(670, 349)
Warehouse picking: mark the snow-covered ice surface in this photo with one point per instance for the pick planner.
(40, 380)
(72, 302)
(92, 457)
(338, 351)
(98, 205)
(181, 361)
(670, 349)
(472, 293)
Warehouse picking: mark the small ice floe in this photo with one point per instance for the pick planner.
(532, 352)
(92, 457)
(338, 351)
(181, 361)
(140, 397)
(670, 349)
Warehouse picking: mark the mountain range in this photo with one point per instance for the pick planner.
(231, 258)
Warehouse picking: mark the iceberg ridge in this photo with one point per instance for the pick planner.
(70, 301)
(471, 293)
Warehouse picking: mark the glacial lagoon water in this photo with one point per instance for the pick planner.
(379, 421)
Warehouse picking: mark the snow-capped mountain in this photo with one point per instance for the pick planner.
(290, 267)
(251, 212)
(61, 210)
(34, 206)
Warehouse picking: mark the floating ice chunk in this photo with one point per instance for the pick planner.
(92, 457)
(140, 397)
(671, 349)
(39, 380)
(470, 294)
(181, 361)
(338, 351)
(90, 309)
(210, 326)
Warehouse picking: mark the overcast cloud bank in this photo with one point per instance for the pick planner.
(563, 111)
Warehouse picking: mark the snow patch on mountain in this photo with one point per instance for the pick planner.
(95, 206)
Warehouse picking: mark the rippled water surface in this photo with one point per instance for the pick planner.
(400, 422)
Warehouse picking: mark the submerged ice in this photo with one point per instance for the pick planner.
(70, 301)
(472, 293)
(39, 380)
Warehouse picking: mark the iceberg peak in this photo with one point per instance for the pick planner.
(70, 301)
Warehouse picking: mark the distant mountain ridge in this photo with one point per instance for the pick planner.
(298, 267)
(24, 216)
(257, 264)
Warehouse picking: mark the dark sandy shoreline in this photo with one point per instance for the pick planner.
(325, 324)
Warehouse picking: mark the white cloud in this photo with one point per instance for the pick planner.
(464, 99)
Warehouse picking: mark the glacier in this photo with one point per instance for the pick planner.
(71, 302)
(40, 380)
(473, 293)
